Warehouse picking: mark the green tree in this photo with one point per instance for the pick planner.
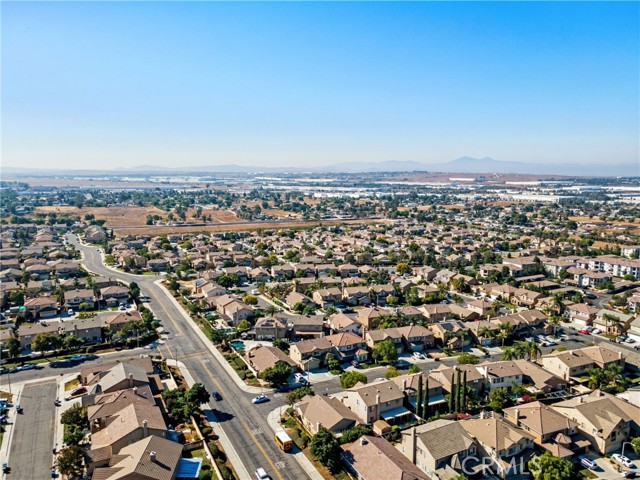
(243, 326)
(635, 443)
(44, 342)
(326, 449)
(13, 345)
(134, 290)
(250, 299)
(403, 268)
(498, 399)
(350, 378)
(549, 467)
(71, 462)
(197, 394)
(385, 351)
(354, 433)
(391, 372)
(299, 393)
(282, 344)
(414, 369)
(278, 374)
(467, 359)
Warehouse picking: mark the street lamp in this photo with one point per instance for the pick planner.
(623, 444)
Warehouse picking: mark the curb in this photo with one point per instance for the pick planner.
(301, 458)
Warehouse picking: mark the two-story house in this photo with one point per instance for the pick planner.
(373, 401)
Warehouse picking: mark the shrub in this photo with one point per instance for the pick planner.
(206, 431)
(205, 474)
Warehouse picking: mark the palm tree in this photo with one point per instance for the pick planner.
(271, 310)
(610, 318)
(613, 374)
(521, 349)
(553, 321)
(533, 350)
(485, 332)
(505, 330)
(596, 377)
(509, 353)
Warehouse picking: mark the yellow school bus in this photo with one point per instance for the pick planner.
(284, 441)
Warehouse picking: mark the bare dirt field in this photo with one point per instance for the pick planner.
(115, 216)
(217, 216)
(234, 227)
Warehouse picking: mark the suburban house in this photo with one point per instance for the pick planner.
(317, 410)
(446, 376)
(605, 420)
(581, 314)
(327, 297)
(348, 346)
(381, 399)
(550, 430)
(86, 329)
(438, 448)
(340, 322)
(409, 385)
(310, 354)
(151, 458)
(41, 307)
(114, 295)
(612, 322)
(375, 458)
(573, 364)
(262, 357)
(270, 328)
(508, 447)
(74, 298)
(28, 331)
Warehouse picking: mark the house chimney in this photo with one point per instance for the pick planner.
(145, 429)
(414, 444)
(619, 355)
(404, 384)
(131, 380)
(516, 413)
(152, 456)
(135, 390)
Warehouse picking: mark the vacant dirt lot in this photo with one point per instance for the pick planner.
(217, 216)
(234, 226)
(115, 216)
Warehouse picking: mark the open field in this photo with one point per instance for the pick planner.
(115, 216)
(217, 216)
(236, 226)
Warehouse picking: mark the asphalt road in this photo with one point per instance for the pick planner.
(32, 441)
(245, 424)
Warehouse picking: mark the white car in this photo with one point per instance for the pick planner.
(596, 331)
(261, 474)
(629, 340)
(622, 460)
(418, 355)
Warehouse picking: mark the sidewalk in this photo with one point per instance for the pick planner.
(300, 457)
(219, 357)
(5, 448)
(231, 453)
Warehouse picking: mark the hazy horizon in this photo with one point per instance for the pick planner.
(112, 85)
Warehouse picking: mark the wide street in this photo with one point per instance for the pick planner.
(245, 425)
(32, 441)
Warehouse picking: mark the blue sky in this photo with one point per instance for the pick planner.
(117, 84)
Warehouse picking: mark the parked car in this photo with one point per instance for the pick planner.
(260, 399)
(283, 388)
(590, 464)
(596, 331)
(629, 340)
(418, 355)
(70, 312)
(355, 363)
(78, 358)
(27, 366)
(584, 331)
(78, 391)
(631, 474)
(622, 460)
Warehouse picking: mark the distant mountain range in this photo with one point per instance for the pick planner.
(459, 165)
